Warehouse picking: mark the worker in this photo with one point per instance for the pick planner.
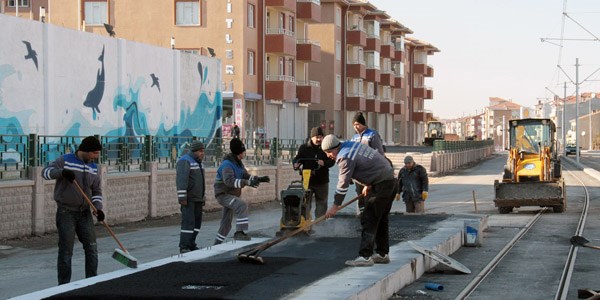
(73, 214)
(311, 156)
(413, 183)
(191, 195)
(363, 164)
(369, 137)
(232, 176)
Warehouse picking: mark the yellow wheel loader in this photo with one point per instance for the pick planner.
(532, 175)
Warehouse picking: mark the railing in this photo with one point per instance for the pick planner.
(454, 146)
(280, 31)
(317, 2)
(372, 66)
(280, 78)
(356, 94)
(132, 153)
(355, 62)
(308, 83)
(307, 41)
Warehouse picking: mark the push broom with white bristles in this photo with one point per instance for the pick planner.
(120, 255)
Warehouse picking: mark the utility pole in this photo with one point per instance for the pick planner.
(564, 122)
(589, 134)
(577, 109)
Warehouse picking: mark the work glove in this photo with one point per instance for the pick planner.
(264, 179)
(397, 197)
(99, 215)
(68, 175)
(254, 182)
(424, 195)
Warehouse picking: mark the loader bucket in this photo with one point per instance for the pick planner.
(532, 193)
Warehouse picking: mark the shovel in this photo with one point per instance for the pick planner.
(251, 256)
(577, 240)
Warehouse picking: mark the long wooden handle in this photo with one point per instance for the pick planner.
(95, 210)
(592, 246)
(316, 221)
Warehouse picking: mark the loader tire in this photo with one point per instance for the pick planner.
(558, 208)
(505, 209)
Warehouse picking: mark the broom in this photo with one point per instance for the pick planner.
(120, 255)
(252, 255)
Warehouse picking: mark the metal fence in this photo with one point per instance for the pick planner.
(130, 153)
(455, 146)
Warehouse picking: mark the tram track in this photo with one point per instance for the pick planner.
(564, 282)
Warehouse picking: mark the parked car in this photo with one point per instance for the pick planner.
(571, 149)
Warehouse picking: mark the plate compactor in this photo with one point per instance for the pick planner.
(296, 202)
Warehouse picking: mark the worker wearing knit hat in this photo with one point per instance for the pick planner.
(316, 131)
(237, 146)
(196, 145)
(330, 142)
(90, 144)
(358, 117)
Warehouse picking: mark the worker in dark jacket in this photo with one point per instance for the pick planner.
(73, 214)
(311, 156)
(413, 183)
(232, 176)
(365, 165)
(191, 195)
(369, 137)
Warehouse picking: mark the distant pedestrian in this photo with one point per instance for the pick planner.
(191, 194)
(235, 131)
(363, 164)
(369, 137)
(232, 176)
(73, 214)
(311, 156)
(413, 183)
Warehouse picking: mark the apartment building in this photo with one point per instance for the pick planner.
(363, 69)
(288, 65)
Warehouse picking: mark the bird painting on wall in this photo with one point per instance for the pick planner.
(155, 82)
(31, 54)
(109, 28)
(212, 52)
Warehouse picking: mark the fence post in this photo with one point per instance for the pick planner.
(149, 148)
(33, 150)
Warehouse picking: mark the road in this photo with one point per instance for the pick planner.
(539, 257)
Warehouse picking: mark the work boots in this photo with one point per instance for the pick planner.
(241, 236)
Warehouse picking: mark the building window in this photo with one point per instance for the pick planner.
(251, 15)
(338, 17)
(291, 67)
(338, 50)
(22, 3)
(292, 24)
(192, 51)
(187, 12)
(251, 63)
(338, 84)
(281, 66)
(95, 12)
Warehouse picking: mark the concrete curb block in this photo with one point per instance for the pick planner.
(382, 281)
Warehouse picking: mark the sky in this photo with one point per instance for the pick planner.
(493, 48)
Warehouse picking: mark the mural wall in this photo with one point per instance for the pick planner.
(57, 81)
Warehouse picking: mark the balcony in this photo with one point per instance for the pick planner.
(419, 116)
(309, 10)
(386, 107)
(398, 55)
(373, 73)
(373, 105)
(280, 40)
(397, 109)
(388, 51)
(424, 69)
(373, 43)
(422, 92)
(356, 37)
(307, 50)
(308, 91)
(356, 69)
(289, 5)
(387, 78)
(399, 82)
(280, 87)
(355, 101)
